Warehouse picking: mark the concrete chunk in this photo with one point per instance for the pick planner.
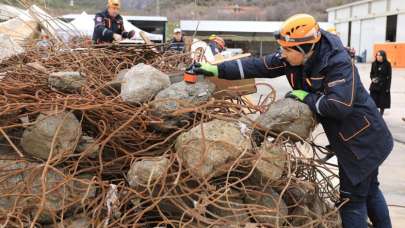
(213, 153)
(288, 115)
(142, 82)
(38, 139)
(68, 82)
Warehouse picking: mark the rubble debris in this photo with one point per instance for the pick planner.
(199, 174)
(23, 189)
(230, 207)
(88, 145)
(315, 208)
(68, 82)
(276, 210)
(142, 82)
(210, 149)
(145, 172)
(272, 161)
(78, 221)
(279, 118)
(8, 47)
(57, 133)
(183, 95)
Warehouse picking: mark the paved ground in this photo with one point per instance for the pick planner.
(392, 172)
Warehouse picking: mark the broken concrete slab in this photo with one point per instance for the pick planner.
(67, 82)
(145, 172)
(183, 95)
(288, 115)
(8, 47)
(142, 82)
(58, 133)
(20, 29)
(209, 150)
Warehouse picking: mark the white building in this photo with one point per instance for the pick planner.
(362, 24)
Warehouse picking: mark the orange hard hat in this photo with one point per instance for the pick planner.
(297, 30)
(114, 3)
(219, 41)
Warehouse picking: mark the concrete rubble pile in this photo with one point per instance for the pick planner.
(79, 147)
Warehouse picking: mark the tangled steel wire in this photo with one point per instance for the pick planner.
(94, 189)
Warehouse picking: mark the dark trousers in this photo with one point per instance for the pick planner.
(365, 200)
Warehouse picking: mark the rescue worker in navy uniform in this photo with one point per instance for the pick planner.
(177, 43)
(109, 25)
(322, 75)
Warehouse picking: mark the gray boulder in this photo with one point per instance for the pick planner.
(212, 154)
(38, 139)
(182, 95)
(147, 171)
(142, 82)
(288, 115)
(68, 82)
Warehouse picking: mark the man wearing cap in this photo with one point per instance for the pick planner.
(109, 25)
(322, 75)
(177, 43)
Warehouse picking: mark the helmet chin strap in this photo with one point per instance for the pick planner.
(306, 54)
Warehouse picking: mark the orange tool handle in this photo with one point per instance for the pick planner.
(190, 78)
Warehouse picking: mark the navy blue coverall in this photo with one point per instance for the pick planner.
(355, 129)
(177, 45)
(105, 26)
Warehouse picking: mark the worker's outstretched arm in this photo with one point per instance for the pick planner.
(269, 66)
(101, 30)
(339, 94)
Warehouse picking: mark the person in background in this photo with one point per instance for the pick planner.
(109, 25)
(381, 81)
(216, 43)
(177, 43)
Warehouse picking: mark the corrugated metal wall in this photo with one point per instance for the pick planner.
(369, 22)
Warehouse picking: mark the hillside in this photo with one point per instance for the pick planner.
(198, 9)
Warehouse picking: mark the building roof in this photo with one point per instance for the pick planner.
(128, 18)
(236, 26)
(348, 5)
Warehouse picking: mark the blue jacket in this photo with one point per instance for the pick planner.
(177, 45)
(105, 26)
(356, 131)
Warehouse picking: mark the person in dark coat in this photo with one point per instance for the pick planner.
(109, 25)
(381, 81)
(177, 44)
(323, 75)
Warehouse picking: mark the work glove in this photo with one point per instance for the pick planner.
(117, 37)
(297, 94)
(206, 69)
(128, 35)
